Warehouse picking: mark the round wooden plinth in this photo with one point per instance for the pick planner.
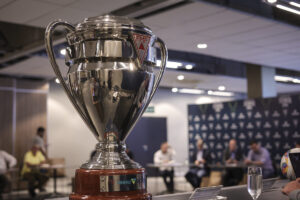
(87, 186)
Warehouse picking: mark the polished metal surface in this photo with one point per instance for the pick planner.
(109, 83)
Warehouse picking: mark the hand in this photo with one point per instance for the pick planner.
(248, 162)
(291, 186)
(197, 162)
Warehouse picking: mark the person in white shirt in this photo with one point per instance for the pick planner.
(6, 161)
(39, 140)
(164, 157)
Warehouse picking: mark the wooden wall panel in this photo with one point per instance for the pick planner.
(6, 82)
(31, 113)
(6, 115)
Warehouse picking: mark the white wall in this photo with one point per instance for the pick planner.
(69, 137)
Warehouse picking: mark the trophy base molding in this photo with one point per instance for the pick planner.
(104, 184)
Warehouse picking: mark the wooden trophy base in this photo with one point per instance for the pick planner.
(110, 185)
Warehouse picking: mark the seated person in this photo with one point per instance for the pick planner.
(6, 161)
(201, 159)
(165, 156)
(31, 170)
(292, 189)
(232, 155)
(260, 156)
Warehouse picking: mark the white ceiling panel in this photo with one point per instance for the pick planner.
(60, 2)
(225, 17)
(171, 18)
(229, 34)
(5, 2)
(66, 14)
(100, 6)
(236, 28)
(21, 11)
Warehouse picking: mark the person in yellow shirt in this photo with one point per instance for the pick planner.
(31, 170)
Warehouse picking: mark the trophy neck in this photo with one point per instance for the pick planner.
(110, 155)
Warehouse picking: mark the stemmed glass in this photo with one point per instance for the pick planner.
(254, 181)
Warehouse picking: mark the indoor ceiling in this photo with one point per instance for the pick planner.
(230, 34)
(41, 12)
(38, 66)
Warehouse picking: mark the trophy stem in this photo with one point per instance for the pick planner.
(110, 155)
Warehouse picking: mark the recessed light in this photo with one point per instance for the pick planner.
(295, 4)
(57, 81)
(271, 1)
(219, 93)
(180, 77)
(174, 89)
(221, 88)
(63, 51)
(288, 9)
(202, 46)
(190, 91)
(170, 64)
(189, 67)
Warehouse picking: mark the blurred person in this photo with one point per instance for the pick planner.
(129, 153)
(39, 140)
(7, 161)
(165, 156)
(232, 156)
(292, 189)
(201, 159)
(31, 170)
(297, 144)
(260, 156)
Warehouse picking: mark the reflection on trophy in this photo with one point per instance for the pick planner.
(110, 82)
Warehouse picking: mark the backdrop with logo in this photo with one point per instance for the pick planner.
(274, 122)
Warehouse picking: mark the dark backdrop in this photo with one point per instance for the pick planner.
(274, 122)
(146, 138)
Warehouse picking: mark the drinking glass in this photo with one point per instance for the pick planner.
(254, 181)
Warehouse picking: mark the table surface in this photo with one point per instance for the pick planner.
(232, 193)
(216, 166)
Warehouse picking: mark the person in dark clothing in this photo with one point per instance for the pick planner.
(200, 159)
(232, 156)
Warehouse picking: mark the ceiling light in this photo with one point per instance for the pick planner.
(283, 78)
(57, 81)
(190, 91)
(219, 93)
(170, 64)
(189, 67)
(180, 77)
(63, 51)
(295, 80)
(288, 9)
(221, 88)
(271, 1)
(202, 46)
(174, 89)
(295, 4)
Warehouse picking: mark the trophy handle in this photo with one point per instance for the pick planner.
(164, 59)
(49, 48)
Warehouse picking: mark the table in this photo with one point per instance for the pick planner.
(232, 193)
(54, 168)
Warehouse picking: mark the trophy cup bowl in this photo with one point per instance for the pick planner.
(110, 82)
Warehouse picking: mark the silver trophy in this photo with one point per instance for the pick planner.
(110, 80)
